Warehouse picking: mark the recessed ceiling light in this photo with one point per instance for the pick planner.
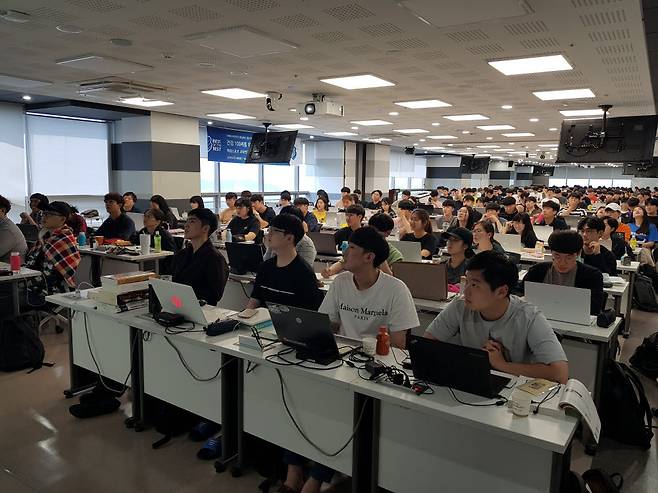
(354, 128)
(592, 112)
(293, 126)
(209, 123)
(415, 144)
(411, 131)
(463, 118)
(422, 140)
(294, 110)
(533, 120)
(393, 113)
(441, 137)
(552, 129)
(69, 29)
(234, 93)
(511, 143)
(231, 116)
(365, 81)
(15, 16)
(548, 145)
(371, 123)
(532, 65)
(507, 106)
(147, 103)
(433, 148)
(312, 137)
(492, 146)
(427, 103)
(27, 98)
(436, 124)
(496, 127)
(564, 94)
(340, 134)
(519, 134)
(303, 118)
(504, 150)
(465, 132)
(450, 145)
(489, 138)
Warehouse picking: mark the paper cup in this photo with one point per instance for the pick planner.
(145, 244)
(99, 240)
(369, 345)
(521, 402)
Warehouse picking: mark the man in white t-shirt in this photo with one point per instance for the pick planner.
(516, 335)
(363, 299)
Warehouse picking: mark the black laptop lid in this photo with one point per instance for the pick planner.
(244, 257)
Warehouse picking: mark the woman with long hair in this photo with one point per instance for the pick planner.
(483, 237)
(421, 231)
(196, 202)
(464, 219)
(324, 195)
(386, 207)
(642, 228)
(320, 209)
(158, 202)
(521, 224)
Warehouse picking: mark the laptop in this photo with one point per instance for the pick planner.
(137, 218)
(510, 242)
(309, 332)
(451, 365)
(244, 257)
(410, 250)
(174, 211)
(425, 281)
(324, 243)
(180, 299)
(572, 221)
(427, 207)
(561, 303)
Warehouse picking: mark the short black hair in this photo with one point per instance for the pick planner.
(295, 211)
(508, 201)
(285, 195)
(356, 209)
(531, 198)
(370, 240)
(434, 193)
(633, 202)
(407, 205)
(653, 201)
(157, 214)
(406, 192)
(381, 222)
(612, 222)
(492, 206)
(245, 194)
(43, 200)
(5, 204)
(496, 268)
(552, 204)
(133, 196)
(565, 241)
(357, 191)
(448, 203)
(378, 191)
(244, 202)
(290, 224)
(595, 223)
(231, 195)
(345, 190)
(301, 201)
(207, 218)
(256, 198)
(195, 199)
(469, 197)
(112, 196)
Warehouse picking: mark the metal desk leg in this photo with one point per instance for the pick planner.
(157, 266)
(365, 448)
(232, 387)
(629, 305)
(137, 378)
(15, 301)
(560, 470)
(80, 380)
(96, 270)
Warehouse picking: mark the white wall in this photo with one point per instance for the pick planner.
(12, 155)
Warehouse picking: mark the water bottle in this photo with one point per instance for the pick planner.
(157, 242)
(229, 236)
(633, 242)
(539, 249)
(82, 239)
(343, 247)
(15, 262)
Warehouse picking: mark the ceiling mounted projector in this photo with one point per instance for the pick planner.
(322, 108)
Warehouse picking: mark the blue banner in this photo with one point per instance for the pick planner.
(228, 146)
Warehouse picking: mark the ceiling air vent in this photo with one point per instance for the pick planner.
(115, 88)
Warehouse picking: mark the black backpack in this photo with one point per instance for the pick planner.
(645, 357)
(624, 410)
(650, 272)
(644, 296)
(20, 345)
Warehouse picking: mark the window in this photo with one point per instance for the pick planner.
(572, 182)
(401, 182)
(557, 182)
(208, 176)
(238, 177)
(278, 177)
(417, 183)
(626, 183)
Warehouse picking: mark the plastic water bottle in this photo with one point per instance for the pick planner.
(539, 249)
(157, 242)
(633, 242)
(229, 236)
(343, 247)
(82, 239)
(15, 262)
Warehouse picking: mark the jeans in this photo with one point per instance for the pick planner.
(317, 471)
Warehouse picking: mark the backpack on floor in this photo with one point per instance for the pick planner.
(169, 420)
(645, 357)
(624, 410)
(644, 296)
(651, 273)
(20, 345)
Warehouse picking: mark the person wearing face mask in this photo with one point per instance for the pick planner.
(565, 270)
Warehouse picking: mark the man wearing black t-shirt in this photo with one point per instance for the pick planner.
(244, 226)
(550, 209)
(652, 211)
(354, 215)
(118, 225)
(285, 279)
(263, 213)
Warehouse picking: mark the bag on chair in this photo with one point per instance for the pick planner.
(645, 357)
(644, 296)
(20, 345)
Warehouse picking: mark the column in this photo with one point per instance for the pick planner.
(500, 173)
(12, 150)
(444, 171)
(157, 154)
(377, 169)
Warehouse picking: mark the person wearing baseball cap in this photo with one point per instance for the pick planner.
(459, 243)
(56, 253)
(509, 208)
(613, 209)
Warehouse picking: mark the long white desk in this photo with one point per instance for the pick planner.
(103, 262)
(12, 280)
(327, 405)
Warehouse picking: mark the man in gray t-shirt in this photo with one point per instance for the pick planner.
(11, 238)
(516, 335)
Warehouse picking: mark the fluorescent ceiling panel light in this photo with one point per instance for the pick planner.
(533, 120)
(436, 124)
(532, 65)
(411, 131)
(293, 126)
(234, 93)
(496, 127)
(504, 150)
(13, 81)
(441, 137)
(241, 42)
(27, 98)
(427, 103)
(552, 129)
(564, 94)
(433, 148)
(393, 113)
(103, 64)
(231, 116)
(592, 112)
(340, 134)
(507, 106)
(365, 81)
(519, 134)
(146, 103)
(65, 117)
(464, 118)
(488, 147)
(371, 123)
(548, 145)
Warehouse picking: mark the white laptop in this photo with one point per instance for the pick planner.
(410, 250)
(510, 242)
(561, 303)
(137, 218)
(180, 299)
(174, 211)
(543, 232)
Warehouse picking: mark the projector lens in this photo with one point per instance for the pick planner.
(309, 109)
